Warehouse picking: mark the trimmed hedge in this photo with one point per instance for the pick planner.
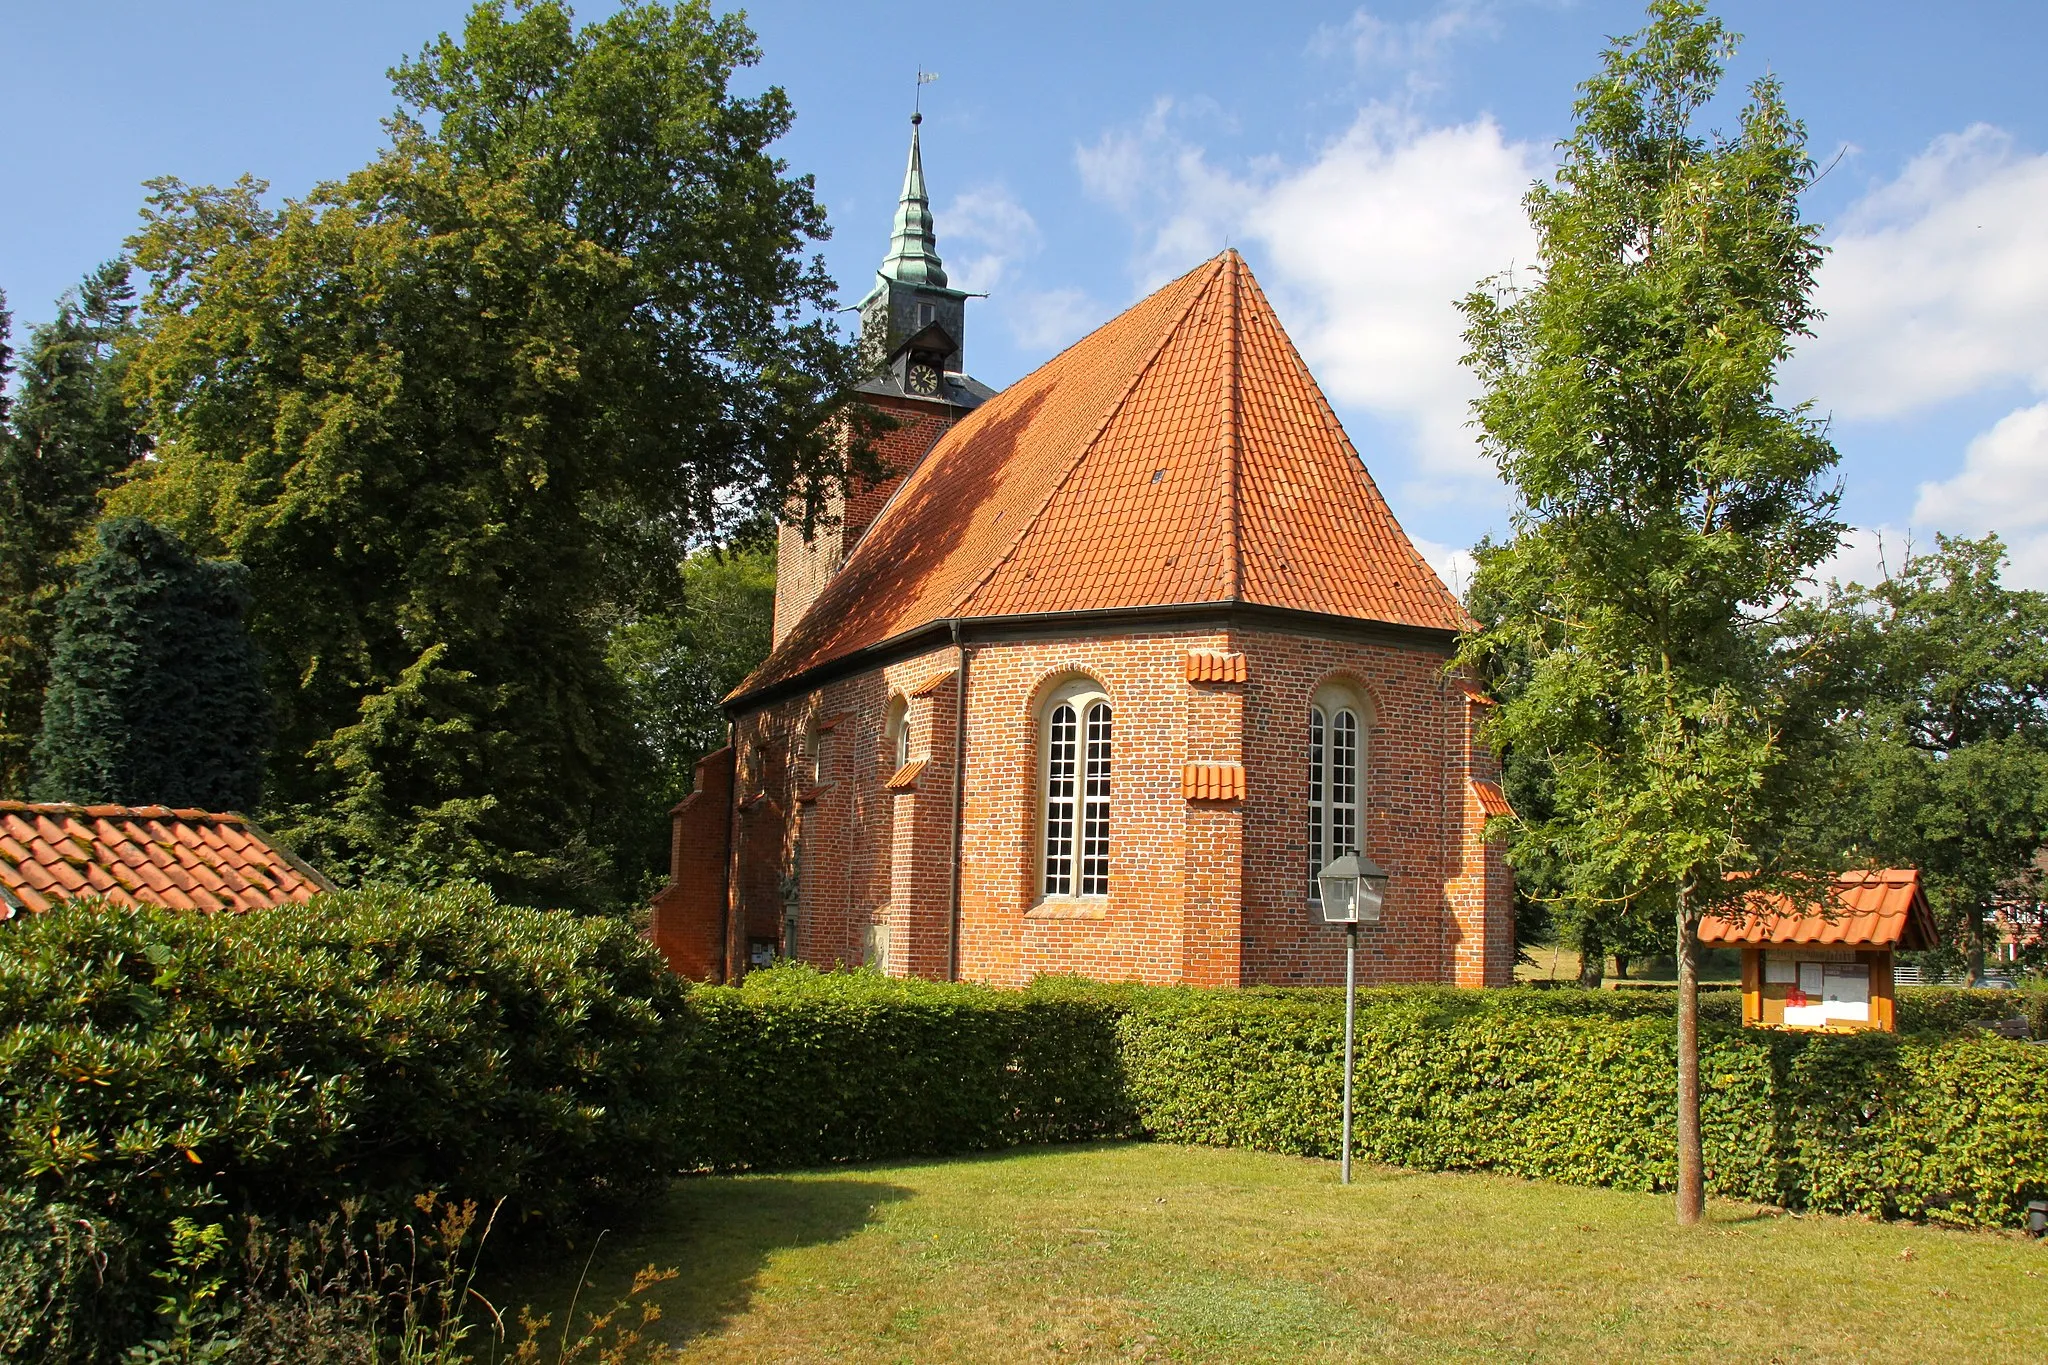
(798, 1068)
(1887, 1125)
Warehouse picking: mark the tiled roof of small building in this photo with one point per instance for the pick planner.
(1878, 909)
(1180, 454)
(153, 855)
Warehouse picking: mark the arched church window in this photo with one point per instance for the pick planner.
(1079, 751)
(897, 733)
(1336, 751)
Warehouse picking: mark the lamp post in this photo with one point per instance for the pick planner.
(1353, 890)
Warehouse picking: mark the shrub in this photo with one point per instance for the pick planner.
(59, 1272)
(1947, 1128)
(1952, 1011)
(797, 1068)
(373, 1045)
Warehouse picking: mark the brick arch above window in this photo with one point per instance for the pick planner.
(1056, 680)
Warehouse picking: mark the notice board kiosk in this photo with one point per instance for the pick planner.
(1826, 966)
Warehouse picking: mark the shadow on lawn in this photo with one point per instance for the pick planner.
(719, 1233)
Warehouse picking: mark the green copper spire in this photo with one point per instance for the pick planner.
(913, 251)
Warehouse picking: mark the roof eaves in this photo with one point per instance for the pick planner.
(1025, 525)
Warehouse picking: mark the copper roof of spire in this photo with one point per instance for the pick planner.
(1180, 454)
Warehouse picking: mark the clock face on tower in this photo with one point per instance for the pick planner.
(922, 378)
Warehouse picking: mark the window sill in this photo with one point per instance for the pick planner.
(1066, 908)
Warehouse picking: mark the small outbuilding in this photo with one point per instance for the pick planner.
(143, 855)
(1829, 966)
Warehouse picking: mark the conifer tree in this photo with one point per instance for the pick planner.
(1667, 503)
(156, 696)
(73, 434)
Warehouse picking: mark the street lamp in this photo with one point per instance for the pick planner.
(1354, 888)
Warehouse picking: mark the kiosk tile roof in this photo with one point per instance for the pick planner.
(1875, 909)
(1180, 454)
(185, 859)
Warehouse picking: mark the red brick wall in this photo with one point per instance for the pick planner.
(1420, 819)
(689, 912)
(1209, 892)
(804, 566)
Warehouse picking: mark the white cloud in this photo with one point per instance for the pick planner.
(1454, 567)
(1366, 248)
(1937, 283)
(2002, 487)
(1000, 237)
(1411, 48)
(998, 231)
(1866, 555)
(1047, 320)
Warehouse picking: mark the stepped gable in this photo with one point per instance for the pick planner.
(1181, 454)
(143, 855)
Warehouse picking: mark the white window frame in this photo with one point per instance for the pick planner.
(1076, 774)
(1338, 724)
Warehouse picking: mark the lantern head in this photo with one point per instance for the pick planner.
(1353, 890)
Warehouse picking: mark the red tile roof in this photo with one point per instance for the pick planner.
(1207, 667)
(1212, 781)
(1492, 799)
(1180, 454)
(905, 778)
(1882, 909)
(185, 859)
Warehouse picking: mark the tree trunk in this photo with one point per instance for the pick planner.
(1973, 938)
(1592, 958)
(1692, 1184)
(1621, 966)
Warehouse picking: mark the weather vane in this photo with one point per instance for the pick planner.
(924, 78)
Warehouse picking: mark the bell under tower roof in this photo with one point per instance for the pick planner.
(913, 323)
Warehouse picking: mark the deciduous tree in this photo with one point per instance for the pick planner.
(1666, 502)
(1943, 760)
(465, 408)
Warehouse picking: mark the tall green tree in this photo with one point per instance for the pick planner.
(1943, 761)
(73, 434)
(465, 408)
(1666, 501)
(678, 665)
(155, 697)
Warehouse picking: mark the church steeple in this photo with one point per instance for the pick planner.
(913, 325)
(913, 251)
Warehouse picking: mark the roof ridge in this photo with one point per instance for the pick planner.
(1232, 436)
(1357, 462)
(102, 809)
(1025, 525)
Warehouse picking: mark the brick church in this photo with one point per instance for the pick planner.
(1093, 682)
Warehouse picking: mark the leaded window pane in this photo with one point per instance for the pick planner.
(1059, 801)
(1316, 814)
(1344, 783)
(1095, 805)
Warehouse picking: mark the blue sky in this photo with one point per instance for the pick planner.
(1367, 160)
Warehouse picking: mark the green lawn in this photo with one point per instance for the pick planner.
(1153, 1252)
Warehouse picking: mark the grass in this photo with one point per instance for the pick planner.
(1147, 1251)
